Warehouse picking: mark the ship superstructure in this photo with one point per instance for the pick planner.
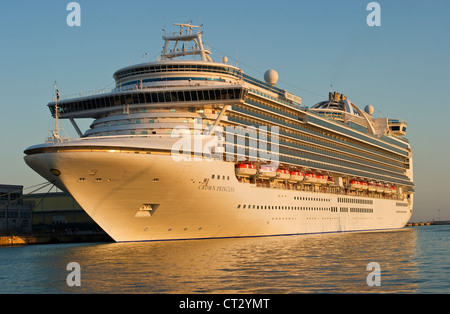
(187, 149)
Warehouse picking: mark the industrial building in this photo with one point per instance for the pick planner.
(46, 213)
(58, 212)
(15, 214)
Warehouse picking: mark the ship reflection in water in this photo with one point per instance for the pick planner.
(333, 263)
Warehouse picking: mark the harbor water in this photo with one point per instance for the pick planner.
(411, 260)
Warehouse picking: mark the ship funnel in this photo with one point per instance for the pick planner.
(337, 96)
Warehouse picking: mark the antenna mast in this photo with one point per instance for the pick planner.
(56, 131)
(185, 35)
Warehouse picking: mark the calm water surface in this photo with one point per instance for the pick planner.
(412, 260)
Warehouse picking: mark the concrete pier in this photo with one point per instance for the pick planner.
(18, 240)
(430, 223)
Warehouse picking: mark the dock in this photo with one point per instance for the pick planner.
(19, 240)
(430, 223)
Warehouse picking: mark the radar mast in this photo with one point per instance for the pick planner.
(184, 37)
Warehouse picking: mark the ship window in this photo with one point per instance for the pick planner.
(194, 95)
(180, 96)
(201, 95)
(212, 177)
(168, 96)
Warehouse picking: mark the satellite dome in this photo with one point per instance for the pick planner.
(369, 109)
(271, 77)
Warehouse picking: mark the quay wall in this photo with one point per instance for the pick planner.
(18, 240)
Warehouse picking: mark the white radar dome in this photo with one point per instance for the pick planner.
(369, 109)
(271, 77)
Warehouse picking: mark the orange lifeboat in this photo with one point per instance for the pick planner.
(245, 170)
(321, 179)
(310, 177)
(283, 174)
(266, 172)
(364, 185)
(355, 185)
(380, 188)
(372, 187)
(296, 176)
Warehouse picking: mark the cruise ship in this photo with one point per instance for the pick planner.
(188, 148)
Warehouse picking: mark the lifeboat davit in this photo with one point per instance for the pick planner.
(330, 180)
(266, 172)
(283, 174)
(245, 170)
(296, 176)
(387, 189)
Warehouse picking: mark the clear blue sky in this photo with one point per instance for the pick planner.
(402, 68)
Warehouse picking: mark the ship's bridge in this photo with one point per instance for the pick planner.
(172, 69)
(177, 72)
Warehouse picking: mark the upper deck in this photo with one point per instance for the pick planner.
(181, 88)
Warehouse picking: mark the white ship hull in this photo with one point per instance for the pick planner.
(122, 171)
(149, 197)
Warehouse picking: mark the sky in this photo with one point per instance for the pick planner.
(401, 67)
